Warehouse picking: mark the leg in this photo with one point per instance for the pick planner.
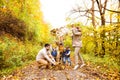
(76, 52)
(69, 61)
(81, 59)
(64, 60)
(61, 57)
(58, 57)
(42, 62)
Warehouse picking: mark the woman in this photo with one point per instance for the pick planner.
(77, 44)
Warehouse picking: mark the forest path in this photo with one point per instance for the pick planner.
(32, 72)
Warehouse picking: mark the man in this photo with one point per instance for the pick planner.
(77, 44)
(44, 56)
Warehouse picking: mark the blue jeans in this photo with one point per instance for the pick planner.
(66, 59)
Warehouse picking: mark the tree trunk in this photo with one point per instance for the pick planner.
(93, 15)
(95, 33)
(117, 41)
(110, 18)
(102, 19)
(102, 15)
(118, 19)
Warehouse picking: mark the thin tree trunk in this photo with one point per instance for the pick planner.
(95, 33)
(102, 14)
(118, 19)
(110, 18)
(93, 15)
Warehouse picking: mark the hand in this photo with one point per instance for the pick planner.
(53, 60)
(66, 54)
(56, 63)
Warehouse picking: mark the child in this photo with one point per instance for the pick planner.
(54, 53)
(54, 50)
(66, 56)
(61, 50)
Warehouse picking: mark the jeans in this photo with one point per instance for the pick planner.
(66, 59)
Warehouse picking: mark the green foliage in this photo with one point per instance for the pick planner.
(105, 63)
(92, 44)
(68, 41)
(1, 59)
(23, 18)
(15, 53)
(92, 41)
(12, 25)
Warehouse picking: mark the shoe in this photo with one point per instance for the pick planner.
(76, 67)
(82, 65)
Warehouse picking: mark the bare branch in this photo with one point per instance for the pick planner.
(99, 6)
(105, 4)
(88, 10)
(112, 10)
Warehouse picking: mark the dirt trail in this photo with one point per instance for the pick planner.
(32, 72)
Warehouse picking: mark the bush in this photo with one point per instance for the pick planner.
(1, 59)
(12, 25)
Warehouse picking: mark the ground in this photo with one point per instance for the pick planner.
(33, 72)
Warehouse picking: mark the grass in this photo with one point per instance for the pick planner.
(15, 54)
(106, 63)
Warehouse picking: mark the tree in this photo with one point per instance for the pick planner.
(102, 15)
(102, 10)
(118, 10)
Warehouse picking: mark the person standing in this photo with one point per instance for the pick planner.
(77, 44)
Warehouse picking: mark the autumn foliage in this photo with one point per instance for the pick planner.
(12, 25)
(23, 33)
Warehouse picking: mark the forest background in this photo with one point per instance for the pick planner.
(23, 33)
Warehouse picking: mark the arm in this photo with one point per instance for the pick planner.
(48, 58)
(51, 57)
(75, 32)
(68, 53)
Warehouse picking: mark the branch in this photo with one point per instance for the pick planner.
(88, 10)
(99, 6)
(98, 18)
(112, 10)
(105, 4)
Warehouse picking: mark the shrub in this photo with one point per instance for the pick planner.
(12, 25)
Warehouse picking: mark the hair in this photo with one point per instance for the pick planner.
(60, 43)
(67, 47)
(46, 45)
(78, 29)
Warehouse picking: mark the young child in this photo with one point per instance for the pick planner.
(61, 50)
(66, 56)
(54, 50)
(54, 53)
